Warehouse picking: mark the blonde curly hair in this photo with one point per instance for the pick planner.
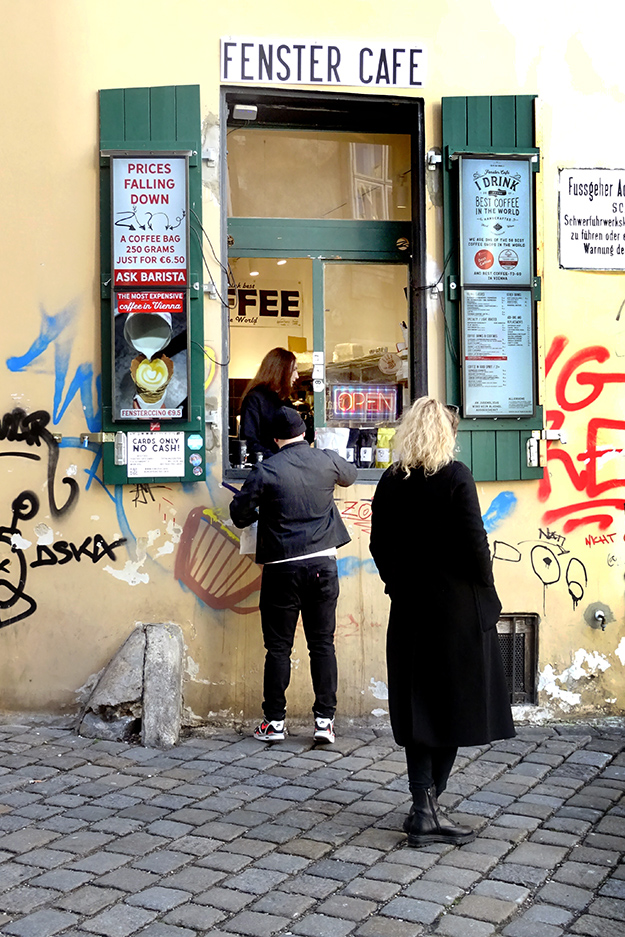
(426, 436)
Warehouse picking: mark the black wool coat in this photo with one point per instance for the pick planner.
(445, 673)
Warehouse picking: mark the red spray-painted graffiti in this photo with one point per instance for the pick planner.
(596, 509)
(358, 513)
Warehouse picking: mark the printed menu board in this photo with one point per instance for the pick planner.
(496, 221)
(497, 351)
(592, 219)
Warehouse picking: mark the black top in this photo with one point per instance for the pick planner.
(292, 497)
(257, 412)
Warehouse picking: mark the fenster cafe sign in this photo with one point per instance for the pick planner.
(389, 64)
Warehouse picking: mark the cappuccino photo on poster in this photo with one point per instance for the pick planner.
(495, 221)
(150, 361)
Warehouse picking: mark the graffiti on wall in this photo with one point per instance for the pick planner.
(25, 433)
(593, 473)
(209, 563)
(32, 429)
(62, 551)
(358, 513)
(143, 493)
(15, 603)
(550, 562)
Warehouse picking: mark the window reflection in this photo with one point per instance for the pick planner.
(365, 343)
(304, 174)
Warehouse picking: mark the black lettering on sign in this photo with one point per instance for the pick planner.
(244, 60)
(290, 303)
(314, 61)
(265, 60)
(364, 80)
(334, 60)
(382, 74)
(299, 50)
(268, 303)
(286, 74)
(414, 66)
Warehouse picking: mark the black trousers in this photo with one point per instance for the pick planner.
(312, 588)
(429, 767)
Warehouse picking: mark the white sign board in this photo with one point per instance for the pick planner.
(498, 356)
(253, 307)
(396, 63)
(496, 221)
(592, 219)
(156, 454)
(149, 216)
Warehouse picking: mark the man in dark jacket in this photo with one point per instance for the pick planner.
(299, 530)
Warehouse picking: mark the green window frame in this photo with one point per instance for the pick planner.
(326, 241)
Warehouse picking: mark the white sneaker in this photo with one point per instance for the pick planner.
(324, 729)
(270, 731)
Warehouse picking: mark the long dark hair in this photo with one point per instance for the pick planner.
(274, 372)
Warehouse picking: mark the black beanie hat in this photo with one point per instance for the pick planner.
(287, 424)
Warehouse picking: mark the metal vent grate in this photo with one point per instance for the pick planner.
(517, 641)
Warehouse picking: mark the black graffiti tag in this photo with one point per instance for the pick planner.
(31, 428)
(13, 567)
(69, 551)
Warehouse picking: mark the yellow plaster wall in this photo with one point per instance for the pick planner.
(55, 56)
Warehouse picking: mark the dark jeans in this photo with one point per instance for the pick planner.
(312, 588)
(429, 767)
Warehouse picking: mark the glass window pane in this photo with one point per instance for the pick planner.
(366, 311)
(310, 174)
(270, 303)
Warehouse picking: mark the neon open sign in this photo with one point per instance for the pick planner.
(365, 402)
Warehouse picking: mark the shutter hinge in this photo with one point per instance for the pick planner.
(86, 438)
(551, 434)
(433, 158)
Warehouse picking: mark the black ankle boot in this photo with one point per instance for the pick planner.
(425, 824)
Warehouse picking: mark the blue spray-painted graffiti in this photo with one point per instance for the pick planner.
(499, 509)
(58, 331)
(349, 565)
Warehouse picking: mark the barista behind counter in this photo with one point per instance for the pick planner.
(267, 392)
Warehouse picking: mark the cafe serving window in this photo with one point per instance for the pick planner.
(326, 248)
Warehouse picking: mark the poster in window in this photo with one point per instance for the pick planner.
(497, 335)
(149, 221)
(496, 221)
(253, 307)
(150, 359)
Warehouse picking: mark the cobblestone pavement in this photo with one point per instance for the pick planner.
(226, 835)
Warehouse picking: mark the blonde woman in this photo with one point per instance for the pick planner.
(445, 674)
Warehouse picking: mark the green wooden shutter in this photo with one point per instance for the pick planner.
(494, 450)
(153, 119)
